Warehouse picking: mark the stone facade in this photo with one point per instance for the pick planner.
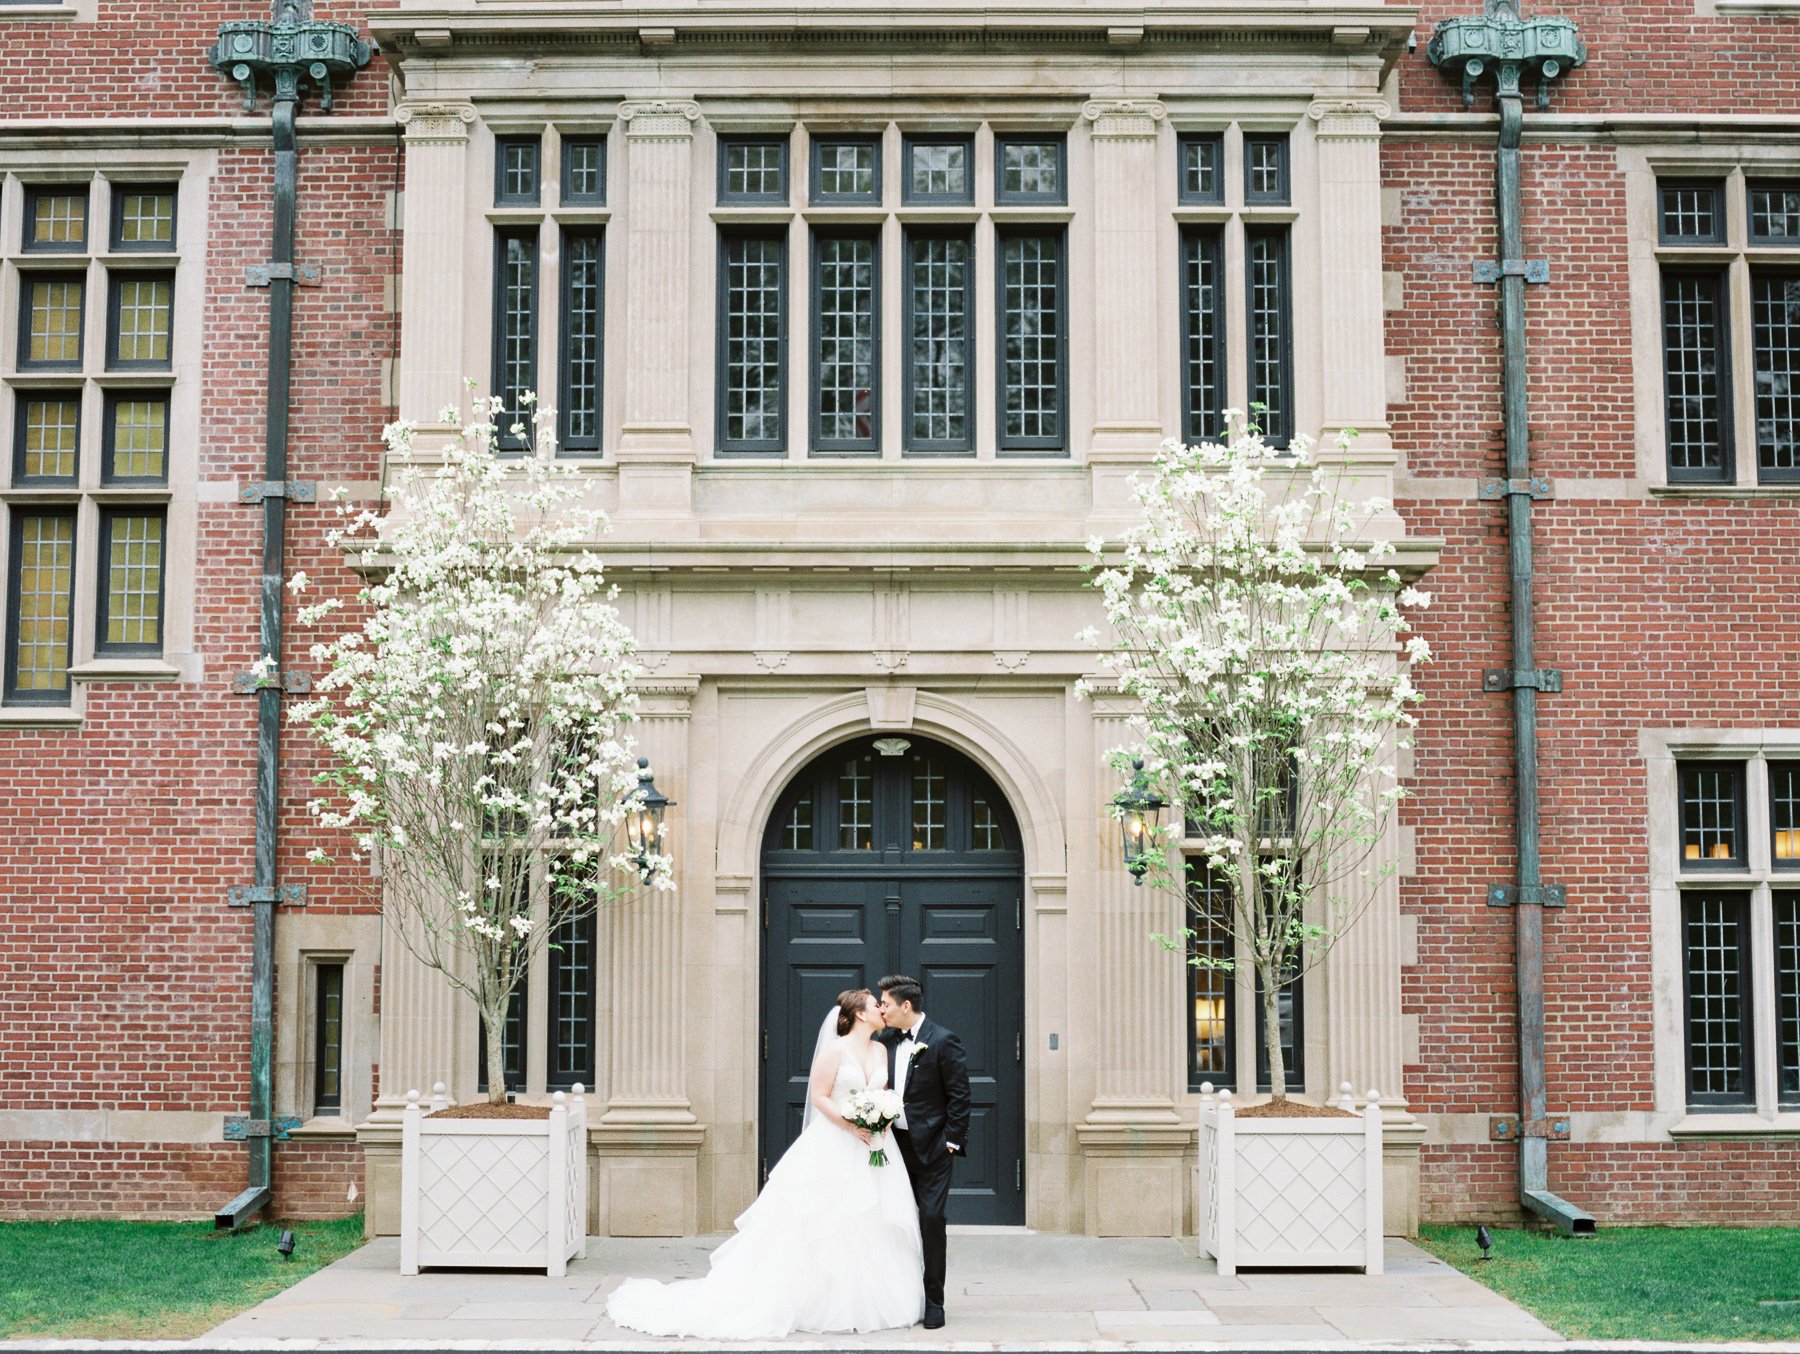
(788, 602)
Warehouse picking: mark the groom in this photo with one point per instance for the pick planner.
(929, 1070)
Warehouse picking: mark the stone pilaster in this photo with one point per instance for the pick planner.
(1132, 1139)
(431, 335)
(656, 453)
(648, 1140)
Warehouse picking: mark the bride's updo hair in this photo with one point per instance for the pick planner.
(849, 1005)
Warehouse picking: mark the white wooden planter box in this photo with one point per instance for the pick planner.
(1290, 1192)
(508, 1193)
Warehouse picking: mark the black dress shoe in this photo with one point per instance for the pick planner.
(934, 1316)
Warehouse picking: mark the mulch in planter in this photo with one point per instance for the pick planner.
(481, 1109)
(1293, 1109)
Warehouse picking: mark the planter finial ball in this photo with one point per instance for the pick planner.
(1374, 1096)
(580, 1090)
(1206, 1088)
(412, 1097)
(1224, 1097)
(558, 1099)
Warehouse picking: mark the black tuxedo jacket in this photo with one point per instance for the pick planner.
(937, 1089)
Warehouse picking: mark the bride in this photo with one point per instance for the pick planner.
(831, 1243)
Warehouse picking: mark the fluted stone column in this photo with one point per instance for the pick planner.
(656, 454)
(648, 1140)
(1347, 144)
(1133, 1142)
(431, 329)
(1127, 356)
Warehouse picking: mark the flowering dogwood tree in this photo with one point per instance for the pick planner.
(1260, 635)
(477, 718)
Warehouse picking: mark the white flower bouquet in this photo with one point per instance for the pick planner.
(875, 1111)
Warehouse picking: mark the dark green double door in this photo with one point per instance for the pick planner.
(913, 868)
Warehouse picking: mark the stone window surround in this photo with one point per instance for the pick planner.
(303, 941)
(191, 172)
(73, 11)
(1662, 749)
(1734, 162)
(1231, 116)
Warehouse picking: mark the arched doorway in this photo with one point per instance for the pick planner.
(899, 855)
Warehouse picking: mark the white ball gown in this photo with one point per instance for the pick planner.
(831, 1244)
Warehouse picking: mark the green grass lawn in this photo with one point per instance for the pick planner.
(149, 1280)
(1642, 1283)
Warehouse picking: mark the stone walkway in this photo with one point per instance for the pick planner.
(1009, 1288)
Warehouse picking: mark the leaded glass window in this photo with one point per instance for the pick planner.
(55, 220)
(573, 993)
(583, 311)
(47, 436)
(328, 1038)
(1716, 942)
(40, 598)
(1787, 996)
(1266, 170)
(938, 169)
(940, 358)
(1202, 162)
(1029, 169)
(136, 437)
(50, 320)
(516, 170)
(1211, 985)
(797, 831)
(846, 169)
(1690, 212)
(1775, 349)
(143, 218)
(1712, 815)
(856, 804)
(515, 333)
(846, 341)
(583, 171)
(928, 816)
(142, 309)
(753, 169)
(1784, 815)
(1695, 376)
(985, 833)
(1270, 350)
(1032, 345)
(752, 386)
(1775, 214)
(1202, 333)
(131, 590)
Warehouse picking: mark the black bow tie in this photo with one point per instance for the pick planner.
(906, 1034)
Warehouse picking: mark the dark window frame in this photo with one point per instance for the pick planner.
(116, 278)
(815, 193)
(557, 1078)
(1004, 444)
(22, 401)
(1767, 185)
(27, 280)
(1716, 187)
(1715, 274)
(33, 192)
(848, 447)
(1281, 196)
(109, 513)
(1786, 960)
(1204, 425)
(116, 227)
(780, 197)
(506, 443)
(1738, 861)
(1005, 198)
(1225, 1079)
(964, 446)
(1789, 273)
(570, 197)
(9, 689)
(1275, 436)
(1745, 1099)
(505, 197)
(109, 435)
(324, 1100)
(567, 443)
(1792, 863)
(514, 1054)
(1295, 1070)
(910, 141)
(1214, 143)
(764, 446)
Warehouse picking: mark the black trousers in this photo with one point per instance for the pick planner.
(931, 1191)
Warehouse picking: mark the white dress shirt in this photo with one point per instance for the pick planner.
(903, 1060)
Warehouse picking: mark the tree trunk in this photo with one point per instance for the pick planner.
(494, 1022)
(1268, 977)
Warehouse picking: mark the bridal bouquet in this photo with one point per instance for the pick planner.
(875, 1111)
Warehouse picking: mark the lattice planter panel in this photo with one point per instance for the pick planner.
(506, 1193)
(1291, 1192)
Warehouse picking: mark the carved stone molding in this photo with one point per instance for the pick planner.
(1124, 119)
(1349, 119)
(659, 119)
(770, 659)
(435, 121)
(1011, 659)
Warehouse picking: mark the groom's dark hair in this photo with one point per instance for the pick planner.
(903, 989)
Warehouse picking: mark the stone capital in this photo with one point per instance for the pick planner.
(659, 119)
(435, 121)
(1349, 119)
(1123, 119)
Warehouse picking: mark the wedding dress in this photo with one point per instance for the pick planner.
(831, 1244)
